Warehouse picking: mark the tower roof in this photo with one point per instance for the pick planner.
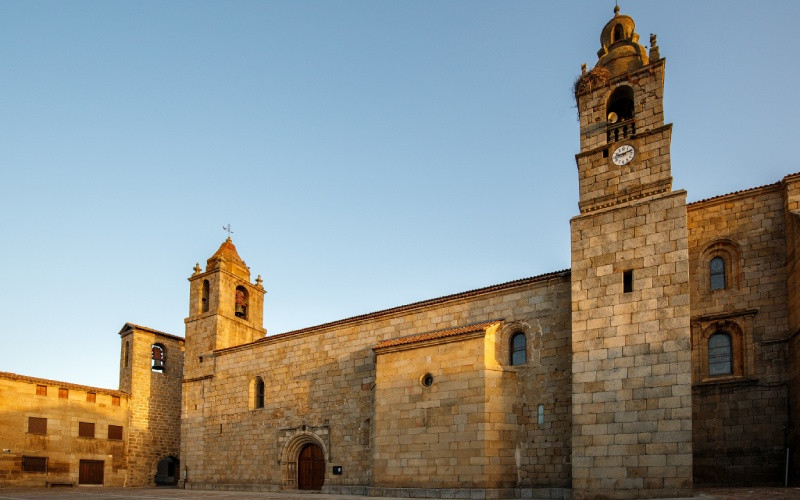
(620, 51)
(226, 257)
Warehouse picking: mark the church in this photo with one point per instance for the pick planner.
(666, 357)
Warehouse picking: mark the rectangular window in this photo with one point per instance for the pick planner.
(37, 425)
(114, 432)
(63, 393)
(115, 400)
(34, 464)
(86, 429)
(41, 390)
(627, 281)
(91, 397)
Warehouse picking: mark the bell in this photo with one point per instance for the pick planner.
(158, 364)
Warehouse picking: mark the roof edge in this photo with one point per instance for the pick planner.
(65, 385)
(407, 307)
(128, 327)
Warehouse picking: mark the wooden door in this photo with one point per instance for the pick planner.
(310, 468)
(90, 472)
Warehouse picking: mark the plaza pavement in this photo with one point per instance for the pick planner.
(100, 493)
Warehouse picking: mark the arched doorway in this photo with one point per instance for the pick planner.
(167, 472)
(311, 468)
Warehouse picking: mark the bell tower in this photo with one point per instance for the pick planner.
(631, 372)
(225, 309)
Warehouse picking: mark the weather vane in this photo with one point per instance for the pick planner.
(228, 229)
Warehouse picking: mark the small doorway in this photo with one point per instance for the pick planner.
(311, 468)
(90, 472)
(167, 472)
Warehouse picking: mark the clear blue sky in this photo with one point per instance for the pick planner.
(367, 154)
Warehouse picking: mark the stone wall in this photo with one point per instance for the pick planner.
(740, 419)
(64, 406)
(321, 388)
(791, 186)
(155, 399)
(460, 431)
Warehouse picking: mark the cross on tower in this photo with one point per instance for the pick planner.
(228, 229)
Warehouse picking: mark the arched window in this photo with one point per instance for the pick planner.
(720, 360)
(241, 302)
(519, 351)
(717, 273)
(158, 359)
(617, 34)
(259, 401)
(204, 299)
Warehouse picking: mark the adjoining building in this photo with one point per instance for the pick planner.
(666, 357)
(56, 433)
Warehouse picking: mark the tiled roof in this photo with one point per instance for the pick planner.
(130, 326)
(58, 383)
(409, 307)
(745, 191)
(735, 193)
(452, 332)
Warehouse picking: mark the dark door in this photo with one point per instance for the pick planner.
(90, 472)
(167, 472)
(310, 468)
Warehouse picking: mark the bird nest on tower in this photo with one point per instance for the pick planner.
(597, 77)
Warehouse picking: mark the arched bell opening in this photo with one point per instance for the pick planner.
(620, 103)
(158, 358)
(242, 300)
(620, 123)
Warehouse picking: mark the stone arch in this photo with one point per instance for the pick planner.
(168, 471)
(730, 252)
(291, 452)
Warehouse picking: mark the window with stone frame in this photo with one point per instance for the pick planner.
(720, 355)
(63, 393)
(34, 464)
(41, 390)
(37, 425)
(86, 429)
(518, 349)
(259, 401)
(722, 347)
(718, 267)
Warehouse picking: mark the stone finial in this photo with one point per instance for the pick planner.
(197, 268)
(583, 69)
(654, 53)
(259, 281)
(616, 10)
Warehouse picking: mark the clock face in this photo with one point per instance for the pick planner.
(623, 154)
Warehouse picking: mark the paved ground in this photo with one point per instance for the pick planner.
(90, 493)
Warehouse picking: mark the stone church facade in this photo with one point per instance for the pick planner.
(666, 357)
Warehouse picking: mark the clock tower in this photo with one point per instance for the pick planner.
(631, 373)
